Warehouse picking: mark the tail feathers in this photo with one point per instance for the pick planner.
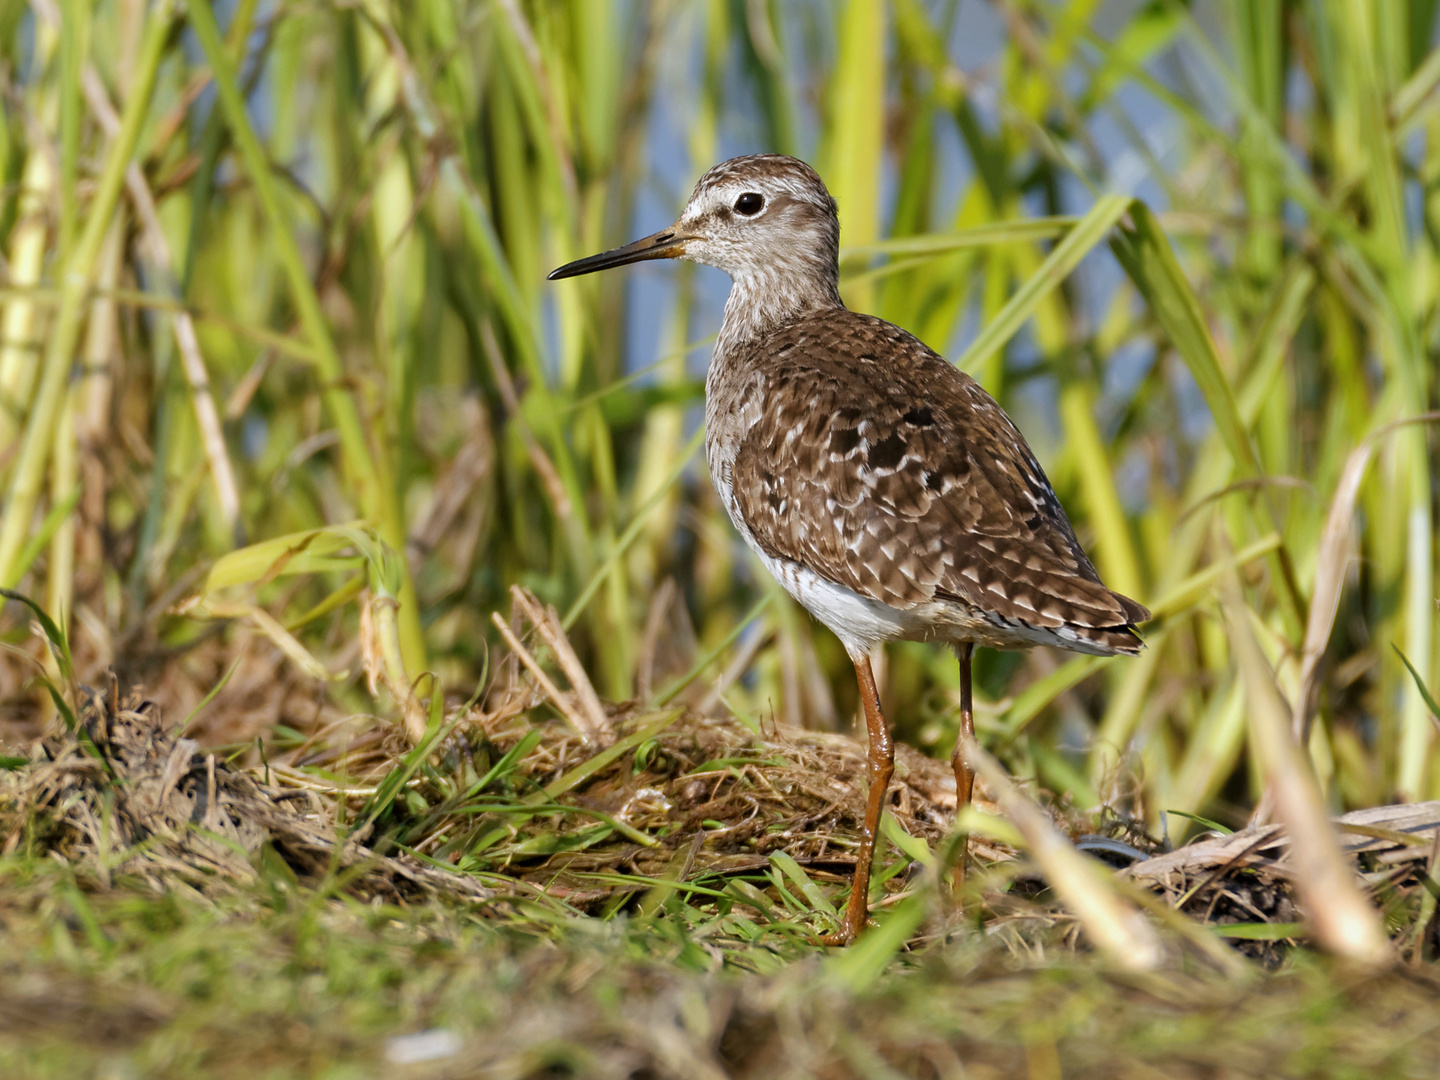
(1106, 640)
(1134, 613)
(1076, 612)
(1103, 640)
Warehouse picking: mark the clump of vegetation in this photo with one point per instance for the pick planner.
(399, 916)
(286, 409)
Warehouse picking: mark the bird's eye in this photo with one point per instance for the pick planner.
(750, 204)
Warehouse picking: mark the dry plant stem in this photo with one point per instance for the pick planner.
(76, 279)
(192, 362)
(101, 335)
(1112, 923)
(660, 603)
(93, 420)
(64, 475)
(1330, 572)
(1343, 921)
(882, 765)
(456, 498)
(1329, 581)
(557, 697)
(20, 339)
(964, 774)
(386, 631)
(737, 667)
(547, 624)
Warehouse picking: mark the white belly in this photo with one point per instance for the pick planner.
(858, 621)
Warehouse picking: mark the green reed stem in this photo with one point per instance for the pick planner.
(75, 281)
(375, 492)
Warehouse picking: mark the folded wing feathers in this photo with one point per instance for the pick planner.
(844, 473)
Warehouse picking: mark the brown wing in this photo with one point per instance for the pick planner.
(846, 472)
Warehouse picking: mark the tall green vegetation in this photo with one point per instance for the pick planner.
(279, 266)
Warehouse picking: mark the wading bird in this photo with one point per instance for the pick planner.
(880, 485)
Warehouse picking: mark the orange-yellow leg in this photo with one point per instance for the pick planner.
(882, 765)
(964, 775)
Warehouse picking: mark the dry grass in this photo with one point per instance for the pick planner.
(501, 806)
(216, 924)
(504, 798)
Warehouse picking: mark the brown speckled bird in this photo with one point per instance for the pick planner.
(880, 485)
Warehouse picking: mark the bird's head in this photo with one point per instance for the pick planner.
(765, 219)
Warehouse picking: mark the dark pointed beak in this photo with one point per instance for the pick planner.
(669, 244)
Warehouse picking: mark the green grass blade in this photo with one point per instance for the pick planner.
(857, 143)
(859, 967)
(586, 769)
(1079, 242)
(79, 273)
(374, 487)
(1420, 686)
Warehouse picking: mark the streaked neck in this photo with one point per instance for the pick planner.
(765, 299)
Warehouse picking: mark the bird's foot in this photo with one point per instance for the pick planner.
(855, 920)
(843, 936)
